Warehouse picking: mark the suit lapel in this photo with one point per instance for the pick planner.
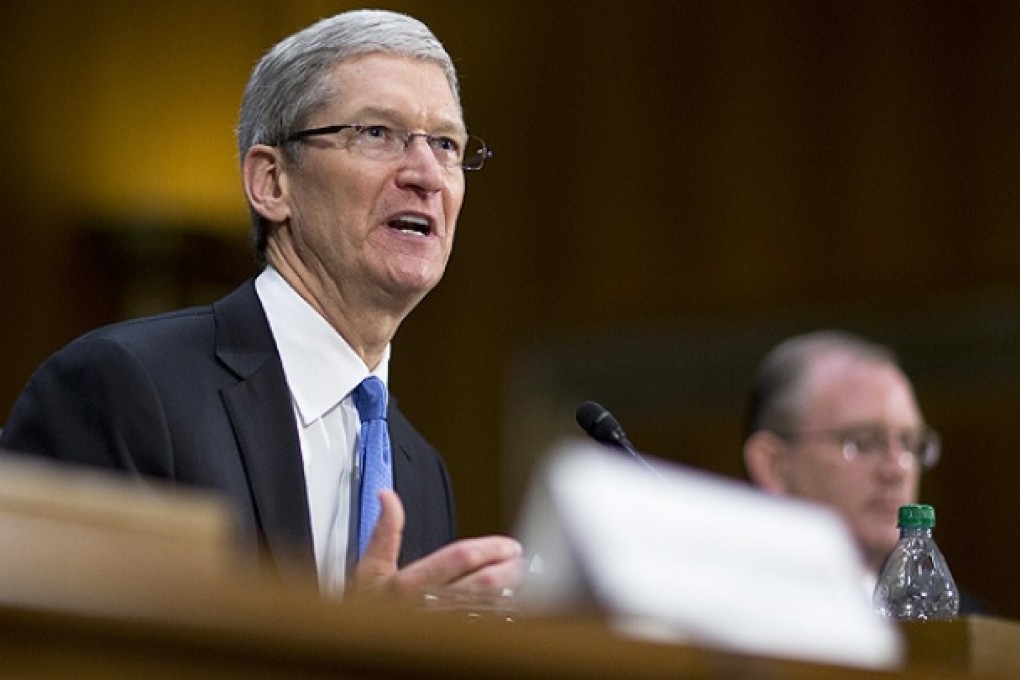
(260, 411)
(403, 484)
(423, 486)
(403, 473)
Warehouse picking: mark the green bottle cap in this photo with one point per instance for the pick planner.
(917, 516)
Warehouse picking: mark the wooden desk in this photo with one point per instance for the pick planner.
(103, 580)
(975, 645)
(223, 633)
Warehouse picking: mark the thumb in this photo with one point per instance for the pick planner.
(379, 562)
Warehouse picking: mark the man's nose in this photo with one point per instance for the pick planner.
(421, 168)
(900, 454)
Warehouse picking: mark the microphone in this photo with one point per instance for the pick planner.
(599, 423)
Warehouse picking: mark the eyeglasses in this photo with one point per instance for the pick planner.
(861, 444)
(383, 143)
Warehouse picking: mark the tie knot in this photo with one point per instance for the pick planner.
(370, 399)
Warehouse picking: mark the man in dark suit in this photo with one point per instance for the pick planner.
(353, 150)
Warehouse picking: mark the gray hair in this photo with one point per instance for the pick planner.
(292, 79)
(775, 402)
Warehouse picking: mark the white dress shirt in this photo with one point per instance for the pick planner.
(321, 370)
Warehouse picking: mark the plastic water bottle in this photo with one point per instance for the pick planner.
(915, 583)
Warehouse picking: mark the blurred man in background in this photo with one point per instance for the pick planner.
(832, 418)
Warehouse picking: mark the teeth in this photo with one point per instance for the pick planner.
(415, 221)
(415, 224)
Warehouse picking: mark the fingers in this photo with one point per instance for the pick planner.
(488, 563)
(389, 528)
(379, 563)
(494, 578)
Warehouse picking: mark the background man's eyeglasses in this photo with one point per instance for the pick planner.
(863, 444)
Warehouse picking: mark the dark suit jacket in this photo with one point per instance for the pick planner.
(198, 397)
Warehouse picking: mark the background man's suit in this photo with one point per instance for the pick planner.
(198, 397)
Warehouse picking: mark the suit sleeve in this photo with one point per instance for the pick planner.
(92, 403)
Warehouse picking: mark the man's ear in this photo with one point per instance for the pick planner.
(764, 459)
(265, 182)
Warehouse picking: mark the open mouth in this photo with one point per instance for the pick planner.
(412, 224)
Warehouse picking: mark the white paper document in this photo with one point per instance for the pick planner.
(694, 557)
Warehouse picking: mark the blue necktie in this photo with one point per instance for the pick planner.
(374, 450)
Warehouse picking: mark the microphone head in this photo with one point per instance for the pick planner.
(599, 423)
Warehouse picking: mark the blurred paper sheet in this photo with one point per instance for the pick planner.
(695, 557)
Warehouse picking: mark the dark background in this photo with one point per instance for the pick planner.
(677, 185)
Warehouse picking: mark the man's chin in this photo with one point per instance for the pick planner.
(413, 277)
(878, 545)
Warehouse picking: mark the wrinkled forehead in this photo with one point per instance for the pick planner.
(843, 389)
(403, 86)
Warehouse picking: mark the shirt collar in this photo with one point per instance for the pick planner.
(320, 366)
